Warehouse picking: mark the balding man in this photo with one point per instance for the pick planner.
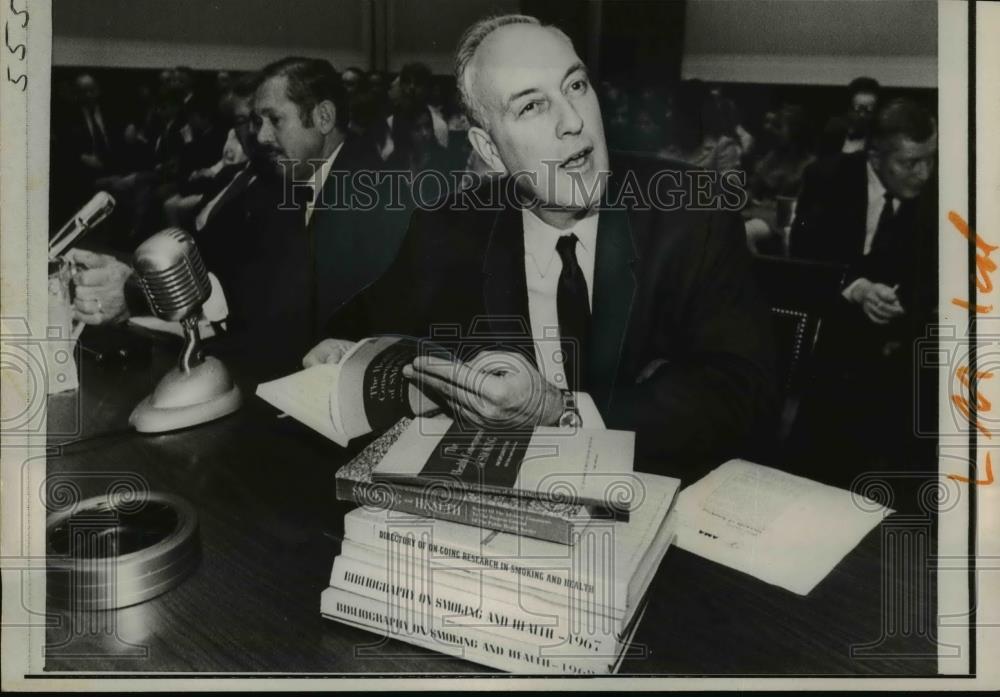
(650, 309)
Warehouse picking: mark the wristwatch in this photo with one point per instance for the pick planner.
(570, 417)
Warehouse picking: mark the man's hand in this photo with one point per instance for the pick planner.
(495, 390)
(327, 351)
(100, 287)
(878, 301)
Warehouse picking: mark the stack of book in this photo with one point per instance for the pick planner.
(564, 605)
(527, 551)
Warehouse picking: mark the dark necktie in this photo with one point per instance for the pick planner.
(883, 233)
(573, 307)
(303, 194)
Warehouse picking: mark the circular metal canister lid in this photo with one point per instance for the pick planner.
(103, 554)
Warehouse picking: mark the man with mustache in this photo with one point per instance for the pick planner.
(651, 311)
(347, 235)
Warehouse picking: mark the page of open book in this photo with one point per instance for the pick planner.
(305, 396)
(783, 529)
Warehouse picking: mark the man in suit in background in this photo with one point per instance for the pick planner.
(849, 133)
(342, 239)
(867, 210)
(650, 310)
(413, 86)
(86, 148)
(876, 213)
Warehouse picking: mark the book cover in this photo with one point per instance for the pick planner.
(587, 466)
(558, 627)
(605, 568)
(546, 520)
(412, 623)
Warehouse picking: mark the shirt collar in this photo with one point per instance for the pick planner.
(876, 190)
(323, 172)
(540, 238)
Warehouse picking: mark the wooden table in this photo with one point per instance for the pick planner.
(263, 488)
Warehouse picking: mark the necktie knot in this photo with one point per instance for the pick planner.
(566, 247)
(302, 194)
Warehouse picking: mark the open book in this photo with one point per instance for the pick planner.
(366, 391)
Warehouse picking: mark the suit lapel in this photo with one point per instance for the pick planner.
(614, 290)
(505, 288)
(237, 186)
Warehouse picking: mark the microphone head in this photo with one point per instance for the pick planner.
(97, 209)
(172, 274)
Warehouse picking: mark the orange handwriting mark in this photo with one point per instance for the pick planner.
(978, 482)
(982, 404)
(965, 304)
(984, 264)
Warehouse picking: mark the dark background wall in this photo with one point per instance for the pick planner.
(815, 42)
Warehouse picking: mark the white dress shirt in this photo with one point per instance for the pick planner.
(95, 124)
(319, 179)
(542, 267)
(853, 145)
(439, 124)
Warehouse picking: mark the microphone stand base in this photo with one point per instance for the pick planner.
(181, 400)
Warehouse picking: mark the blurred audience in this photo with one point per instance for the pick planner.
(849, 133)
(779, 171)
(159, 149)
(701, 130)
(413, 86)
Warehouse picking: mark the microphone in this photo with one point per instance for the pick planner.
(90, 216)
(175, 281)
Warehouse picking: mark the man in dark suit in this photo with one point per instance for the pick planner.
(86, 147)
(876, 213)
(651, 310)
(302, 115)
(873, 211)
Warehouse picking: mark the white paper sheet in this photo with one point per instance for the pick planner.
(783, 529)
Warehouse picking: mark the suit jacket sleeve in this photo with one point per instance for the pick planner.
(801, 243)
(388, 304)
(714, 398)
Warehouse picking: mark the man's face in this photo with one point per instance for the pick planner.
(352, 82)
(243, 126)
(280, 131)
(88, 90)
(542, 114)
(905, 166)
(422, 132)
(863, 106)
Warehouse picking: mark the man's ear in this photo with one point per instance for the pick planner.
(325, 116)
(487, 150)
